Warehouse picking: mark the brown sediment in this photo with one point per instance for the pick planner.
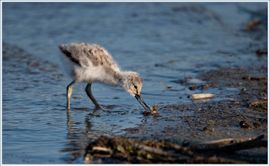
(253, 24)
(259, 105)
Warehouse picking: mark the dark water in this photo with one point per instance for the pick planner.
(164, 42)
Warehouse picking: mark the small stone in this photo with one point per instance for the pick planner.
(208, 129)
(88, 158)
(244, 124)
(192, 87)
(260, 52)
(120, 148)
(153, 109)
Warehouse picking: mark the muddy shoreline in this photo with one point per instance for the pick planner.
(243, 115)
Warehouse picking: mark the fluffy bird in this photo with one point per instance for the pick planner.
(93, 63)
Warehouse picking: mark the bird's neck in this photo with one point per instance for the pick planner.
(124, 78)
(118, 77)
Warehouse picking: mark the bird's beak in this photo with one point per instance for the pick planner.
(140, 100)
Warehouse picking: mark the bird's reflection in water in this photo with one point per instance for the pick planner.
(77, 139)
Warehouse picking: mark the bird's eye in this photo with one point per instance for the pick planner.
(135, 86)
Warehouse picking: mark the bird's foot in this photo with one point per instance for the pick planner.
(99, 107)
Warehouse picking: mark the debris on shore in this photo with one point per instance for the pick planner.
(200, 96)
(124, 150)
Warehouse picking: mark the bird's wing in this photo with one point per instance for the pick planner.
(83, 54)
(72, 52)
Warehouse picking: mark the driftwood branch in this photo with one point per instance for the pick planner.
(134, 151)
(231, 145)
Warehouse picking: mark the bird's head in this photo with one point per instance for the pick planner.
(133, 83)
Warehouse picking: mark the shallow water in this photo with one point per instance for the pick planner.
(164, 42)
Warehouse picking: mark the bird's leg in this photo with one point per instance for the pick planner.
(69, 93)
(90, 95)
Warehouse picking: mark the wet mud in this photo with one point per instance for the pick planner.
(244, 114)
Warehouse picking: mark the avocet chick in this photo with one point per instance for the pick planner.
(93, 63)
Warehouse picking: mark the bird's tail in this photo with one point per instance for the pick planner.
(62, 47)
